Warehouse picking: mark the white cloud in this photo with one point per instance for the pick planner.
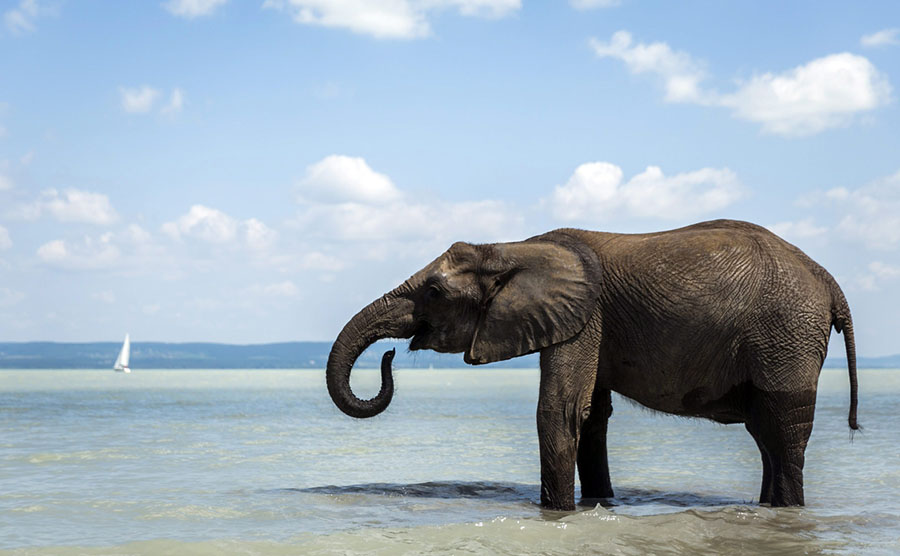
(338, 178)
(190, 9)
(871, 214)
(592, 4)
(176, 102)
(364, 215)
(21, 19)
(491, 9)
(281, 289)
(89, 253)
(876, 276)
(316, 260)
(204, 223)
(105, 296)
(596, 190)
(406, 221)
(826, 92)
(885, 37)
(259, 236)
(801, 229)
(884, 271)
(821, 94)
(72, 205)
(680, 72)
(139, 100)
(6, 182)
(137, 235)
(386, 19)
(9, 297)
(214, 226)
(5, 241)
(80, 206)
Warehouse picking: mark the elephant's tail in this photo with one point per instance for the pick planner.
(843, 323)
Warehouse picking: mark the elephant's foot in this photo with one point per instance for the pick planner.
(555, 498)
(596, 493)
(557, 505)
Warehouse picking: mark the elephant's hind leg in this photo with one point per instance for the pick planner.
(593, 466)
(782, 422)
(765, 491)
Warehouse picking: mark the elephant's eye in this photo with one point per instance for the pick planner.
(433, 292)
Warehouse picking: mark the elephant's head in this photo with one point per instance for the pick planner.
(491, 302)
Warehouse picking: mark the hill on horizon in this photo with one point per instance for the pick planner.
(208, 355)
(282, 355)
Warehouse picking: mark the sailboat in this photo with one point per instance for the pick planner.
(121, 364)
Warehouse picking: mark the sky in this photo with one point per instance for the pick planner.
(258, 171)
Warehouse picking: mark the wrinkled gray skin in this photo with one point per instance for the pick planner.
(721, 319)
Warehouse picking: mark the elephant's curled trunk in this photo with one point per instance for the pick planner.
(387, 317)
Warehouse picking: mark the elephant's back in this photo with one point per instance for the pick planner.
(691, 305)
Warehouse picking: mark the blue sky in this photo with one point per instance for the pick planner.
(215, 170)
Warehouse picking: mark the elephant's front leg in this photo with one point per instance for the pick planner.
(568, 373)
(593, 466)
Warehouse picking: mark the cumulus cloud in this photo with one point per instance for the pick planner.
(259, 237)
(821, 94)
(681, 74)
(87, 254)
(407, 221)
(885, 37)
(871, 214)
(386, 19)
(597, 190)
(358, 211)
(5, 241)
(286, 288)
(316, 260)
(350, 200)
(877, 275)
(339, 178)
(800, 229)
(137, 235)
(21, 19)
(143, 99)
(189, 9)
(213, 226)
(138, 100)
(826, 92)
(176, 102)
(80, 206)
(592, 4)
(9, 297)
(204, 223)
(104, 296)
(71, 205)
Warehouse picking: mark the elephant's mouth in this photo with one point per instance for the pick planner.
(421, 337)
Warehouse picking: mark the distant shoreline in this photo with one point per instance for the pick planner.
(283, 355)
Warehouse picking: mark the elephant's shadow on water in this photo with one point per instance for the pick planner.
(519, 492)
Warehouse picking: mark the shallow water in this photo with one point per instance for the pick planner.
(261, 462)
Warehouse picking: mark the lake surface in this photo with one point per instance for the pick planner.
(261, 462)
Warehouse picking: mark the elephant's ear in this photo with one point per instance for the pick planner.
(538, 293)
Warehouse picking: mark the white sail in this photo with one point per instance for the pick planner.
(124, 355)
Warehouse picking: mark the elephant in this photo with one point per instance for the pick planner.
(721, 319)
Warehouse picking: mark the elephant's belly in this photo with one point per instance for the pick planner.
(728, 404)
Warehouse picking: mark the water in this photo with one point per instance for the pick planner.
(261, 462)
